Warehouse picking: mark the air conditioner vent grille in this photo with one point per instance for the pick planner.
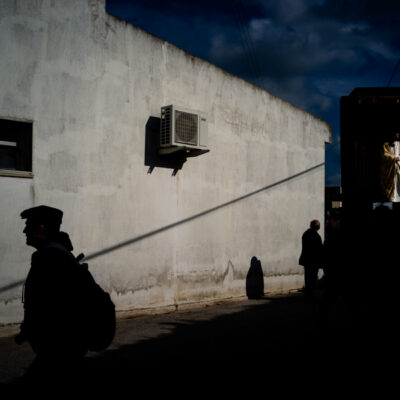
(186, 129)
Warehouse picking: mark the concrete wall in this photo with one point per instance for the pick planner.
(92, 84)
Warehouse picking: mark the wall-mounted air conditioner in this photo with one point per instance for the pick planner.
(183, 129)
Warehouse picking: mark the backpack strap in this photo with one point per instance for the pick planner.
(75, 260)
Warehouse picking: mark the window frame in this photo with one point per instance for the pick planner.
(20, 132)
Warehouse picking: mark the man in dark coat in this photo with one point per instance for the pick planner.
(311, 257)
(52, 319)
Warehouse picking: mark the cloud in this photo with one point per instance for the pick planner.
(352, 28)
(309, 52)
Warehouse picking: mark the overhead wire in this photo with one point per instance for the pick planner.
(250, 41)
(241, 16)
(393, 73)
(239, 13)
(243, 41)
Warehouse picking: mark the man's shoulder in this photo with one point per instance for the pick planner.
(48, 251)
(311, 234)
(49, 256)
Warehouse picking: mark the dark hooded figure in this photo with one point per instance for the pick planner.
(311, 257)
(255, 280)
(52, 290)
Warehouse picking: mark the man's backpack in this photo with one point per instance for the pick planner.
(95, 311)
(100, 321)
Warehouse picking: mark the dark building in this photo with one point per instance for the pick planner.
(368, 117)
(333, 199)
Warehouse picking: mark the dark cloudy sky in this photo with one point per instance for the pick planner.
(309, 52)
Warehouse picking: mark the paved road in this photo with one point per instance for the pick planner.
(280, 337)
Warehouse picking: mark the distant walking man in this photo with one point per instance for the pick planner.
(52, 321)
(311, 257)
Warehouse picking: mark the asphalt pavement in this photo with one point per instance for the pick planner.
(281, 337)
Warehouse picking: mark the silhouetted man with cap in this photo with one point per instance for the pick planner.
(51, 300)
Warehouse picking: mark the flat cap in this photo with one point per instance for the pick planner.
(43, 214)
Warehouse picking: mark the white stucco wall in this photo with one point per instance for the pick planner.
(90, 83)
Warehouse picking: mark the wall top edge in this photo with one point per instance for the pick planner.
(118, 20)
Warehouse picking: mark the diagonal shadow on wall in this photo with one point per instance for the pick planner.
(12, 285)
(183, 221)
(201, 214)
